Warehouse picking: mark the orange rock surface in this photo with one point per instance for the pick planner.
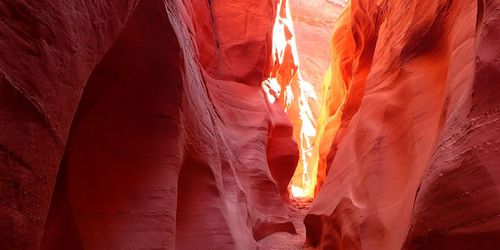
(409, 133)
(300, 46)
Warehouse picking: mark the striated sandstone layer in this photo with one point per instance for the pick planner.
(140, 125)
(410, 128)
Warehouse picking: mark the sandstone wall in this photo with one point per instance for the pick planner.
(408, 154)
(140, 125)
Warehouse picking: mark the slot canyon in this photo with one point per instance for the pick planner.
(250, 124)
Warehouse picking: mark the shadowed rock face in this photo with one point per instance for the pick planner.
(410, 145)
(140, 125)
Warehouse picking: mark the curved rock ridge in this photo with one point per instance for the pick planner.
(140, 125)
(409, 129)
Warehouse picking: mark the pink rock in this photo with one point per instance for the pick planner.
(142, 125)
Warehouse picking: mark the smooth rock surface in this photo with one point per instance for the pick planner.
(409, 148)
(140, 125)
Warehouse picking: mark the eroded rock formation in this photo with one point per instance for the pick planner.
(141, 124)
(410, 132)
(163, 124)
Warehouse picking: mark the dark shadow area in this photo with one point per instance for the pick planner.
(121, 145)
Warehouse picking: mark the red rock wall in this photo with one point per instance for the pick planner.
(48, 54)
(141, 125)
(411, 152)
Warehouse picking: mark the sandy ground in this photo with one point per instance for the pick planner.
(283, 240)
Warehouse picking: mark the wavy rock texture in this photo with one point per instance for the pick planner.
(140, 125)
(410, 128)
(161, 124)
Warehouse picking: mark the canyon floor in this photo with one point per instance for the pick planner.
(283, 240)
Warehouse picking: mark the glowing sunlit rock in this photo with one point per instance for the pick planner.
(409, 128)
(300, 98)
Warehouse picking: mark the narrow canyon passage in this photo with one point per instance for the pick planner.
(250, 124)
(301, 47)
(310, 24)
